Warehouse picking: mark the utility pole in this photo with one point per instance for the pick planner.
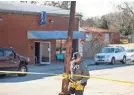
(68, 53)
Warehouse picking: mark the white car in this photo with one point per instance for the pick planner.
(110, 55)
(130, 54)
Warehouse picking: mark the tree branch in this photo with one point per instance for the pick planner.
(127, 6)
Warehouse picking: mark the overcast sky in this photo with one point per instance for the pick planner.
(91, 8)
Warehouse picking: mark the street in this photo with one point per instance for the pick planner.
(51, 85)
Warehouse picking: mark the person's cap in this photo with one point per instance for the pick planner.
(76, 54)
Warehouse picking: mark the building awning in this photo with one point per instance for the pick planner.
(53, 35)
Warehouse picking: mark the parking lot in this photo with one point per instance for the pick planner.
(51, 85)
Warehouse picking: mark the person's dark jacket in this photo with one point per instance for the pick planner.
(79, 69)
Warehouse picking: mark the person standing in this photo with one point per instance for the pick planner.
(77, 67)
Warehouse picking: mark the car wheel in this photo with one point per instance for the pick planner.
(113, 61)
(22, 68)
(96, 63)
(124, 60)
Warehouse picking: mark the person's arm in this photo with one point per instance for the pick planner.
(85, 72)
(71, 66)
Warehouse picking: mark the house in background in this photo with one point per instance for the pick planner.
(97, 38)
(34, 30)
(109, 36)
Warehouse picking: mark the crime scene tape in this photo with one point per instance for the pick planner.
(17, 72)
(64, 75)
(108, 79)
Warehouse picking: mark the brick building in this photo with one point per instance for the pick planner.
(20, 28)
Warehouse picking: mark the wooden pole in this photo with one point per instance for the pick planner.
(68, 48)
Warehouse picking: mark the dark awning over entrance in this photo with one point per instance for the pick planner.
(53, 35)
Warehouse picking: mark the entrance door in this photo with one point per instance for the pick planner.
(37, 52)
(45, 53)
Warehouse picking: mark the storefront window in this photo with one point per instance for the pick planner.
(60, 46)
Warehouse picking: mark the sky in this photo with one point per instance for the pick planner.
(91, 8)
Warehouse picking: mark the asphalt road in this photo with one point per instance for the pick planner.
(51, 85)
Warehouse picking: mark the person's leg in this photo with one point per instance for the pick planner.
(70, 89)
(79, 92)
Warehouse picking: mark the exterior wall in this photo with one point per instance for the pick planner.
(13, 32)
(14, 27)
(107, 35)
(115, 38)
(80, 47)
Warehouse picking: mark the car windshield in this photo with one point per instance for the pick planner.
(107, 50)
(130, 50)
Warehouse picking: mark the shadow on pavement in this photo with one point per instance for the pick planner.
(30, 77)
(108, 66)
(55, 69)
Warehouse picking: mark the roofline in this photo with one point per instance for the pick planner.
(26, 12)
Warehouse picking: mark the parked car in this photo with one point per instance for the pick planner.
(110, 55)
(11, 61)
(130, 54)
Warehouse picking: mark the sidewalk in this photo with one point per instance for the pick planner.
(55, 66)
(46, 68)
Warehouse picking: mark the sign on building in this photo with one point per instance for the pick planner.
(124, 40)
(43, 18)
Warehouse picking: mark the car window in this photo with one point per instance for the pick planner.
(1, 53)
(9, 53)
(107, 50)
(117, 50)
(130, 50)
(120, 50)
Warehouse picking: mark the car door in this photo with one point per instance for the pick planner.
(121, 53)
(3, 60)
(12, 60)
(117, 54)
(132, 55)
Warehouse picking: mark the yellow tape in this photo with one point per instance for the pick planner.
(17, 72)
(64, 75)
(108, 79)
(76, 86)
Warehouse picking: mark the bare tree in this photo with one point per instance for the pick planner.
(60, 4)
(123, 20)
(127, 17)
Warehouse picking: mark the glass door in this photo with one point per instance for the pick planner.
(45, 53)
